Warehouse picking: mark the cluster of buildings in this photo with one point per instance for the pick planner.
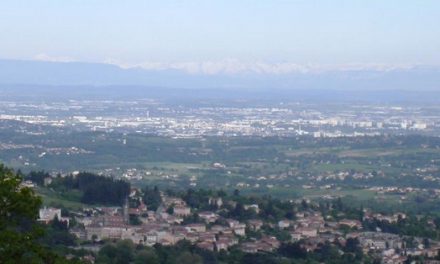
(169, 224)
(161, 226)
(150, 116)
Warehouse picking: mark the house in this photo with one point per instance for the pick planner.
(134, 211)
(27, 184)
(307, 232)
(207, 236)
(133, 234)
(142, 207)
(208, 216)
(232, 222)
(240, 229)
(230, 238)
(350, 223)
(78, 233)
(192, 237)
(270, 242)
(172, 201)
(264, 244)
(228, 231)
(378, 240)
(162, 215)
(221, 245)
(391, 219)
(48, 214)
(174, 220)
(250, 247)
(151, 238)
(295, 236)
(102, 232)
(217, 201)
(375, 244)
(224, 242)
(88, 259)
(218, 228)
(151, 216)
(196, 227)
(432, 252)
(206, 246)
(167, 241)
(47, 181)
(254, 207)
(414, 252)
(300, 215)
(181, 211)
(283, 224)
(107, 226)
(395, 259)
(255, 224)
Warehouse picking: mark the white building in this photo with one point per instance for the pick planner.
(48, 214)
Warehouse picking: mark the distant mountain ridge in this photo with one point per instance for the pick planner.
(99, 74)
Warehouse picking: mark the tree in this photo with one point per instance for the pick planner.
(95, 188)
(37, 176)
(125, 251)
(292, 250)
(107, 253)
(146, 257)
(170, 210)
(352, 245)
(19, 231)
(134, 220)
(152, 197)
(304, 205)
(188, 258)
(120, 252)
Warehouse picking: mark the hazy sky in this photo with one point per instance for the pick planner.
(161, 33)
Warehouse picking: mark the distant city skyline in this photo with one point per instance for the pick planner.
(207, 37)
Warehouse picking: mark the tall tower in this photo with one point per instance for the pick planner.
(125, 212)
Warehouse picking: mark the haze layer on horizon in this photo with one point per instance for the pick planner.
(210, 37)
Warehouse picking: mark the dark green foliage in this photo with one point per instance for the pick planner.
(260, 258)
(57, 235)
(197, 198)
(37, 176)
(19, 232)
(410, 226)
(152, 198)
(120, 252)
(292, 250)
(146, 256)
(134, 220)
(96, 189)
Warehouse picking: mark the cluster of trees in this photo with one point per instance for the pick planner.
(57, 235)
(270, 208)
(184, 252)
(199, 199)
(96, 189)
(152, 197)
(22, 239)
(409, 226)
(125, 251)
(37, 176)
(327, 252)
